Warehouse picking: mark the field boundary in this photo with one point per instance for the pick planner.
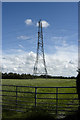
(57, 101)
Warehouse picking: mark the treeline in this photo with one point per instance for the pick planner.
(29, 76)
(16, 76)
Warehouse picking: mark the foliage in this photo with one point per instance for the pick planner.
(29, 76)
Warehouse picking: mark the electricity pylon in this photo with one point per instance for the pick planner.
(40, 65)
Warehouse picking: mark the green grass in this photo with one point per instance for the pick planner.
(41, 103)
(40, 82)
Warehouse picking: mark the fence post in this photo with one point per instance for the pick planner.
(56, 100)
(16, 96)
(35, 96)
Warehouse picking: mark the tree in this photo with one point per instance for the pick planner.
(78, 86)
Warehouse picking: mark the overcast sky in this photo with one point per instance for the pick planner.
(60, 36)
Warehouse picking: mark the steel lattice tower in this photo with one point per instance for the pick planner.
(40, 65)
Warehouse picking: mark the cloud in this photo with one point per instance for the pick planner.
(62, 63)
(61, 67)
(59, 40)
(45, 24)
(21, 46)
(28, 22)
(23, 37)
(18, 62)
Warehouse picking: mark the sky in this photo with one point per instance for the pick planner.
(60, 36)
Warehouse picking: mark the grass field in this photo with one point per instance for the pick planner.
(40, 82)
(41, 103)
